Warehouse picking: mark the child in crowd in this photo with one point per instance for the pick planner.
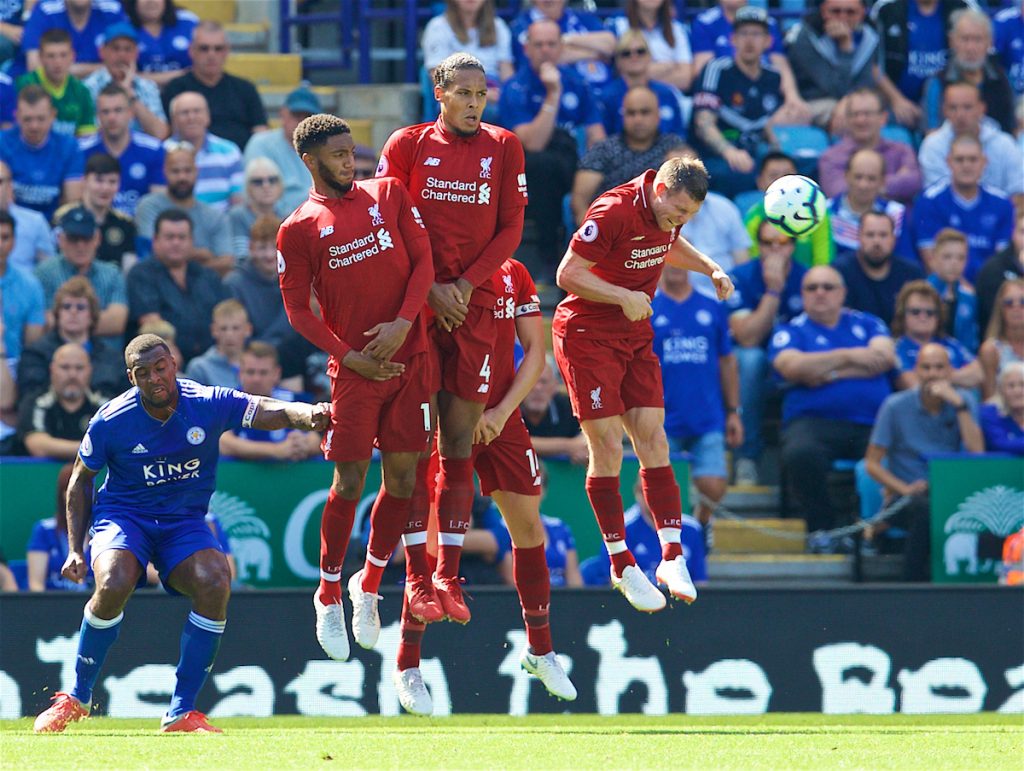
(946, 274)
(230, 329)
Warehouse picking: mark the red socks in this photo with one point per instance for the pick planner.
(414, 538)
(388, 519)
(533, 582)
(454, 510)
(606, 500)
(411, 637)
(663, 499)
(335, 531)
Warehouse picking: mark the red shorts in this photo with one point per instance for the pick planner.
(608, 377)
(509, 463)
(464, 355)
(395, 412)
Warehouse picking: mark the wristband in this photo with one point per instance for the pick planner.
(773, 293)
(963, 407)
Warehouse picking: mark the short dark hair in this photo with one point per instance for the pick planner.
(314, 131)
(102, 163)
(141, 345)
(7, 219)
(444, 73)
(687, 174)
(262, 350)
(34, 94)
(771, 157)
(113, 89)
(170, 215)
(55, 35)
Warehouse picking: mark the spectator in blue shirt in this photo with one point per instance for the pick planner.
(700, 380)
(836, 364)
(918, 321)
(8, 96)
(767, 293)
(11, 31)
(165, 34)
(586, 44)
(935, 417)
(1002, 417)
(46, 166)
(949, 260)
(1009, 44)
(874, 275)
(633, 64)
(48, 546)
(983, 214)
(35, 238)
(642, 541)
(546, 105)
(85, 21)
(23, 307)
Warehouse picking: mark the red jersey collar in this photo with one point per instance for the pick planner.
(442, 128)
(326, 200)
(647, 181)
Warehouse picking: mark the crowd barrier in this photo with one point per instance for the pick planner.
(735, 651)
(271, 511)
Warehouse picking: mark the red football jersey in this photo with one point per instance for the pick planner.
(366, 256)
(471, 192)
(621, 236)
(517, 296)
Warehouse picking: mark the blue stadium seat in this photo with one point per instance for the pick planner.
(804, 144)
(747, 199)
(897, 133)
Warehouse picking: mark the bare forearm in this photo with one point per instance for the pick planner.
(246, 449)
(970, 432)
(79, 505)
(150, 123)
(706, 123)
(41, 445)
(272, 414)
(684, 255)
(751, 329)
(729, 375)
(886, 478)
(536, 134)
(583, 283)
(526, 376)
(810, 368)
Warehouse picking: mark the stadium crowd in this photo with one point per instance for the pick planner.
(142, 186)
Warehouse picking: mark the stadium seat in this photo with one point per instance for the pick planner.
(267, 69)
(747, 199)
(897, 133)
(804, 144)
(211, 10)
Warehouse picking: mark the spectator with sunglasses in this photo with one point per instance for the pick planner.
(919, 320)
(767, 294)
(236, 110)
(634, 65)
(835, 363)
(76, 311)
(665, 36)
(263, 191)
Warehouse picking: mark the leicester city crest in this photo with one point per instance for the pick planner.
(195, 435)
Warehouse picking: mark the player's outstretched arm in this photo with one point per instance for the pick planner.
(79, 513)
(272, 414)
(684, 255)
(575, 275)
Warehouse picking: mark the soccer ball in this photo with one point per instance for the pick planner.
(795, 205)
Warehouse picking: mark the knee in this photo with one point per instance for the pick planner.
(111, 592)
(400, 484)
(347, 484)
(652, 447)
(214, 578)
(711, 487)
(607, 446)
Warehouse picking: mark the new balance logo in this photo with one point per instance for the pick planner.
(521, 182)
(432, 161)
(139, 449)
(324, 232)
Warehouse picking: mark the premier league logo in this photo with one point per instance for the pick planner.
(485, 167)
(195, 435)
(374, 212)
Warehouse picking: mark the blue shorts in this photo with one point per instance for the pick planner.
(708, 451)
(165, 543)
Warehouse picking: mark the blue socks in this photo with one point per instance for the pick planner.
(200, 640)
(94, 640)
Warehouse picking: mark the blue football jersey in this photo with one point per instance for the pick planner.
(162, 470)
(142, 166)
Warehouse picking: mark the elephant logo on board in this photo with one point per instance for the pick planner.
(998, 510)
(248, 535)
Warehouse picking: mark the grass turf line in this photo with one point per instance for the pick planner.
(775, 741)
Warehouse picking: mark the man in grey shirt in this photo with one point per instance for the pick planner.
(211, 233)
(932, 418)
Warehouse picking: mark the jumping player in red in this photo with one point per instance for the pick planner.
(603, 346)
(509, 473)
(362, 249)
(468, 180)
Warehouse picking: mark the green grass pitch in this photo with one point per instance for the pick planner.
(775, 741)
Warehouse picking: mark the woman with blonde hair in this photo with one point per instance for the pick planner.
(666, 37)
(1002, 417)
(1004, 338)
(472, 27)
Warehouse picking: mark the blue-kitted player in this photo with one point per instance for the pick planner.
(159, 441)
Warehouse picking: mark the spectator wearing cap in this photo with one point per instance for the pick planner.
(832, 52)
(218, 160)
(33, 241)
(75, 311)
(79, 238)
(277, 146)
(84, 20)
(120, 56)
(75, 113)
(263, 189)
(46, 166)
(117, 229)
(731, 140)
(236, 108)
(165, 33)
(140, 157)
(210, 236)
